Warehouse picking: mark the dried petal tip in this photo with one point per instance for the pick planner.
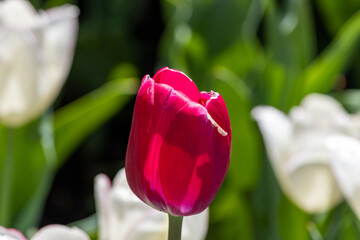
(220, 130)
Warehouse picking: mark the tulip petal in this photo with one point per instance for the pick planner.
(151, 98)
(60, 27)
(195, 226)
(176, 136)
(276, 129)
(216, 107)
(103, 208)
(179, 82)
(129, 218)
(323, 113)
(60, 232)
(36, 51)
(202, 172)
(17, 13)
(345, 163)
(11, 234)
(18, 75)
(308, 179)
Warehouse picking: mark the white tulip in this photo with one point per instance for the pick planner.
(122, 216)
(296, 148)
(60, 232)
(36, 51)
(345, 163)
(50, 232)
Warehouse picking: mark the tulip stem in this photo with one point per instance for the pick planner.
(6, 181)
(175, 224)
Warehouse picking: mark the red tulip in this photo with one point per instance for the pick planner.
(179, 145)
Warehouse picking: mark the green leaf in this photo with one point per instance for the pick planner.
(350, 98)
(292, 221)
(230, 215)
(22, 161)
(74, 122)
(31, 212)
(321, 75)
(290, 40)
(335, 13)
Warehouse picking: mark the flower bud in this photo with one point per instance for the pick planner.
(36, 51)
(297, 152)
(179, 146)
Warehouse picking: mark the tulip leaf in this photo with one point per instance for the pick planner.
(292, 221)
(321, 75)
(335, 13)
(30, 214)
(74, 122)
(23, 172)
(230, 215)
(350, 98)
(290, 41)
(245, 156)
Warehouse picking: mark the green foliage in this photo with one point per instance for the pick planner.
(74, 122)
(252, 52)
(320, 76)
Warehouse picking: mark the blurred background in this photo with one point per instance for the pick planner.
(253, 52)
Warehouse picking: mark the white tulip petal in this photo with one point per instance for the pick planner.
(296, 149)
(60, 232)
(311, 184)
(102, 200)
(131, 219)
(18, 68)
(345, 163)
(58, 39)
(10, 234)
(36, 51)
(323, 113)
(276, 130)
(195, 227)
(17, 14)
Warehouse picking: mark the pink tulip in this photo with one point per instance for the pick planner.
(179, 145)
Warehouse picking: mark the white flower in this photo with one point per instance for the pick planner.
(345, 163)
(36, 51)
(122, 216)
(50, 232)
(296, 148)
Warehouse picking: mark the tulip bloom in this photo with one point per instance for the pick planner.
(179, 146)
(123, 216)
(36, 51)
(345, 163)
(297, 152)
(50, 232)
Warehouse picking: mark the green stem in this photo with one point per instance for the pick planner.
(175, 224)
(314, 231)
(30, 215)
(7, 181)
